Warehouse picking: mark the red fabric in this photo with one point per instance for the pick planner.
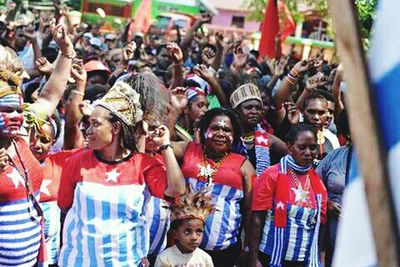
(272, 186)
(269, 30)
(12, 186)
(229, 173)
(142, 19)
(287, 25)
(52, 168)
(84, 166)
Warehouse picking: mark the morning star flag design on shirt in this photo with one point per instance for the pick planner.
(105, 224)
(384, 65)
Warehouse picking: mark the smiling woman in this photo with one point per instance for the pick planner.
(213, 163)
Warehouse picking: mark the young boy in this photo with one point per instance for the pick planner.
(188, 215)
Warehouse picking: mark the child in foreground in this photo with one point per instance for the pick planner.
(188, 215)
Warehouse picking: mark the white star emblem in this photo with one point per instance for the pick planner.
(261, 139)
(222, 123)
(301, 194)
(112, 176)
(205, 171)
(16, 178)
(280, 205)
(44, 188)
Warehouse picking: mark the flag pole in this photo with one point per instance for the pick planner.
(365, 133)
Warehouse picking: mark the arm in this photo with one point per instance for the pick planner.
(248, 174)
(220, 51)
(73, 136)
(311, 85)
(257, 221)
(179, 101)
(339, 105)
(175, 179)
(203, 72)
(127, 54)
(55, 86)
(177, 57)
(278, 148)
(206, 17)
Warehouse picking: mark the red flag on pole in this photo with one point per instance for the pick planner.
(269, 31)
(142, 19)
(287, 25)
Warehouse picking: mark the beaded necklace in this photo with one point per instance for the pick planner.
(207, 171)
(301, 193)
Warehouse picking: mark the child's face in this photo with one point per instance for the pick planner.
(189, 235)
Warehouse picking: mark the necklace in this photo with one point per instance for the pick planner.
(207, 171)
(300, 192)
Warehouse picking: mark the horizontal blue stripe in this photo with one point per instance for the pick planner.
(14, 212)
(33, 261)
(13, 257)
(18, 240)
(19, 201)
(18, 222)
(13, 231)
(387, 97)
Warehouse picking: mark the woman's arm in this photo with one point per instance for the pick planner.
(55, 86)
(248, 175)
(257, 221)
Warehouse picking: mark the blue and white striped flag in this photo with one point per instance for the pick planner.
(355, 244)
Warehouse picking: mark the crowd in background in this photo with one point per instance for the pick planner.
(142, 152)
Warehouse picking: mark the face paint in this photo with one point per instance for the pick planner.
(209, 134)
(222, 123)
(10, 123)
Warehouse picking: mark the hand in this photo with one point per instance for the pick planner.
(208, 56)
(306, 64)
(43, 66)
(144, 262)
(205, 18)
(3, 159)
(128, 52)
(179, 98)
(160, 136)
(86, 108)
(240, 56)
(314, 81)
(219, 37)
(334, 209)
(175, 52)
(202, 71)
(293, 114)
(61, 38)
(78, 72)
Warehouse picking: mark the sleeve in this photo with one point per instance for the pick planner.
(155, 176)
(68, 180)
(264, 190)
(324, 207)
(209, 262)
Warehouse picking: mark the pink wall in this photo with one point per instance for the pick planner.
(224, 18)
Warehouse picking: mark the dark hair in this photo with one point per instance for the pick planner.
(312, 96)
(328, 95)
(57, 121)
(127, 133)
(342, 123)
(211, 114)
(299, 128)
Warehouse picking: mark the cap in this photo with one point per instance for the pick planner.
(111, 37)
(95, 42)
(243, 93)
(96, 65)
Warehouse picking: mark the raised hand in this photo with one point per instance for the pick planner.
(208, 56)
(175, 52)
(316, 80)
(202, 71)
(179, 98)
(240, 56)
(205, 18)
(161, 136)
(30, 33)
(293, 114)
(219, 37)
(61, 38)
(128, 52)
(43, 66)
(305, 65)
(78, 72)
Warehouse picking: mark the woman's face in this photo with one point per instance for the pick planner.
(11, 119)
(304, 149)
(219, 134)
(100, 132)
(197, 108)
(250, 113)
(40, 143)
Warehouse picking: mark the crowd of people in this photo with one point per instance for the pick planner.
(198, 152)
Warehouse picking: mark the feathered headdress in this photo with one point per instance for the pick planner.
(193, 205)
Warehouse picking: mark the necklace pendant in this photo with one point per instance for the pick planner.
(206, 172)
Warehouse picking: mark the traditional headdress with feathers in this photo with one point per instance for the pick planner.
(193, 205)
